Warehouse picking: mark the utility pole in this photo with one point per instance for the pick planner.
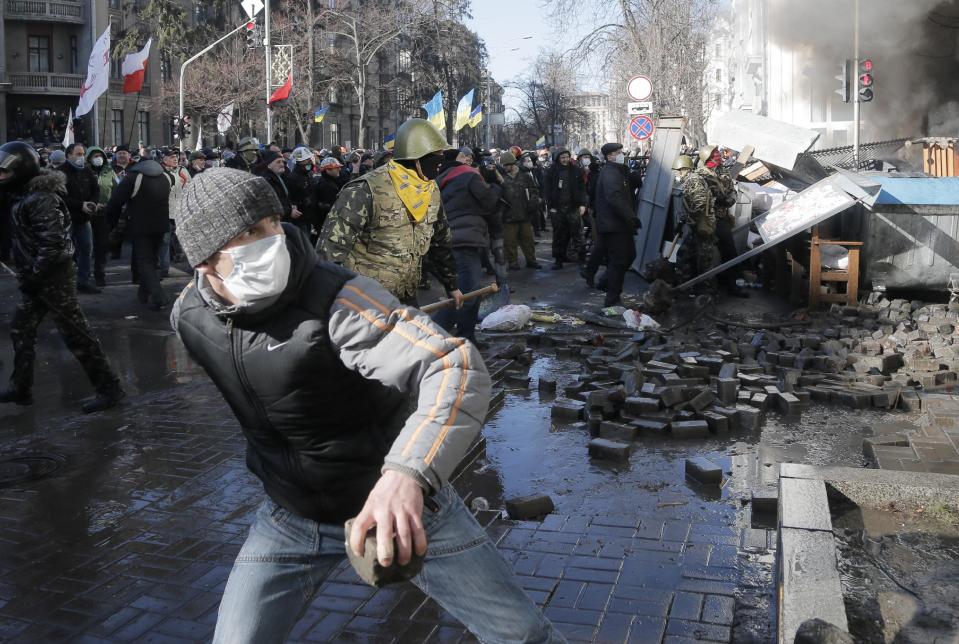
(855, 105)
(489, 106)
(269, 64)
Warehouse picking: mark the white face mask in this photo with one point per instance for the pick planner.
(261, 269)
(619, 158)
(96, 162)
(584, 162)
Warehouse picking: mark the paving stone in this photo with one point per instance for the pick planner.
(689, 429)
(640, 405)
(565, 409)
(617, 431)
(686, 606)
(704, 471)
(803, 505)
(609, 450)
(528, 507)
(649, 426)
(808, 580)
(702, 400)
(670, 396)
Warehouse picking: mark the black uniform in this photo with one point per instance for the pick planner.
(565, 193)
(616, 223)
(43, 255)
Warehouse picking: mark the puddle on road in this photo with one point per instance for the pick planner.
(532, 454)
(899, 573)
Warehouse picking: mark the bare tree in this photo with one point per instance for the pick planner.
(547, 96)
(356, 34)
(662, 39)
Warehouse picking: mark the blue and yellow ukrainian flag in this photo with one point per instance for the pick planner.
(476, 116)
(319, 113)
(464, 111)
(435, 113)
(541, 142)
(388, 141)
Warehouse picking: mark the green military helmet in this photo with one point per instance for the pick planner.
(584, 153)
(706, 151)
(507, 158)
(416, 138)
(683, 162)
(248, 143)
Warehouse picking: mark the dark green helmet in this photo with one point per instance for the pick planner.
(683, 162)
(416, 138)
(706, 152)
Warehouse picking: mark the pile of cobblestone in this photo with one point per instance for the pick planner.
(721, 375)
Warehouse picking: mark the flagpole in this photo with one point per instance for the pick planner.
(136, 107)
(104, 135)
(93, 39)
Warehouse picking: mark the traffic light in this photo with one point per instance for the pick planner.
(843, 79)
(177, 128)
(866, 79)
(187, 128)
(251, 35)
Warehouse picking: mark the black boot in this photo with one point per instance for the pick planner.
(16, 397)
(104, 400)
(586, 276)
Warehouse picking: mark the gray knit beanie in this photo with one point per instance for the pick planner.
(216, 206)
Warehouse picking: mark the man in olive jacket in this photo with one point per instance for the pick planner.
(319, 365)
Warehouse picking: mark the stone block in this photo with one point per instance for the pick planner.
(749, 418)
(759, 400)
(546, 385)
(789, 404)
(565, 409)
(639, 405)
(718, 424)
(729, 370)
(688, 429)
(617, 431)
(650, 426)
(523, 508)
(608, 450)
(671, 396)
(727, 389)
(704, 471)
(765, 501)
(702, 400)
(803, 505)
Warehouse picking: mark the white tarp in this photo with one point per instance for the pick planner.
(775, 142)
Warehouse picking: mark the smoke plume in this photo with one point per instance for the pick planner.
(914, 45)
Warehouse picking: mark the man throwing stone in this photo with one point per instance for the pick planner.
(320, 365)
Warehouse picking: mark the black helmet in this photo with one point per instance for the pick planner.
(21, 160)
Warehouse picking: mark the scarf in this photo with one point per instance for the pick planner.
(414, 192)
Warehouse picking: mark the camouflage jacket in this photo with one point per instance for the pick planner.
(370, 231)
(723, 188)
(520, 197)
(698, 200)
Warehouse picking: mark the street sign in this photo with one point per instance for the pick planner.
(252, 7)
(639, 88)
(641, 127)
(640, 107)
(557, 129)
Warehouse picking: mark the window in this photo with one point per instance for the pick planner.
(74, 56)
(143, 126)
(719, 75)
(333, 97)
(718, 99)
(116, 121)
(116, 69)
(719, 50)
(115, 4)
(334, 135)
(38, 48)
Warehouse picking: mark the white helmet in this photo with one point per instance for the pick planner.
(302, 154)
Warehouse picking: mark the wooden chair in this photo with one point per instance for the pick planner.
(818, 274)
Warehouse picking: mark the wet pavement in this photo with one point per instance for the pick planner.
(133, 536)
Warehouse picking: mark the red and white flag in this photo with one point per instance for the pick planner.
(134, 68)
(98, 74)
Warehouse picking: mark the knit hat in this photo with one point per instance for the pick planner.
(329, 163)
(58, 157)
(216, 206)
(609, 148)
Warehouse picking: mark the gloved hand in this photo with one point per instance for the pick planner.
(635, 225)
(30, 284)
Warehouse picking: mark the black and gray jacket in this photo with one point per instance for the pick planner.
(321, 382)
(41, 240)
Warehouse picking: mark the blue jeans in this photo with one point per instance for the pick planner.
(286, 558)
(469, 272)
(83, 252)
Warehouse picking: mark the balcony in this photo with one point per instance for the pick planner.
(44, 10)
(31, 83)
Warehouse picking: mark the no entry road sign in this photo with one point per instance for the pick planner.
(641, 127)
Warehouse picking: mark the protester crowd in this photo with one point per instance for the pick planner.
(490, 207)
